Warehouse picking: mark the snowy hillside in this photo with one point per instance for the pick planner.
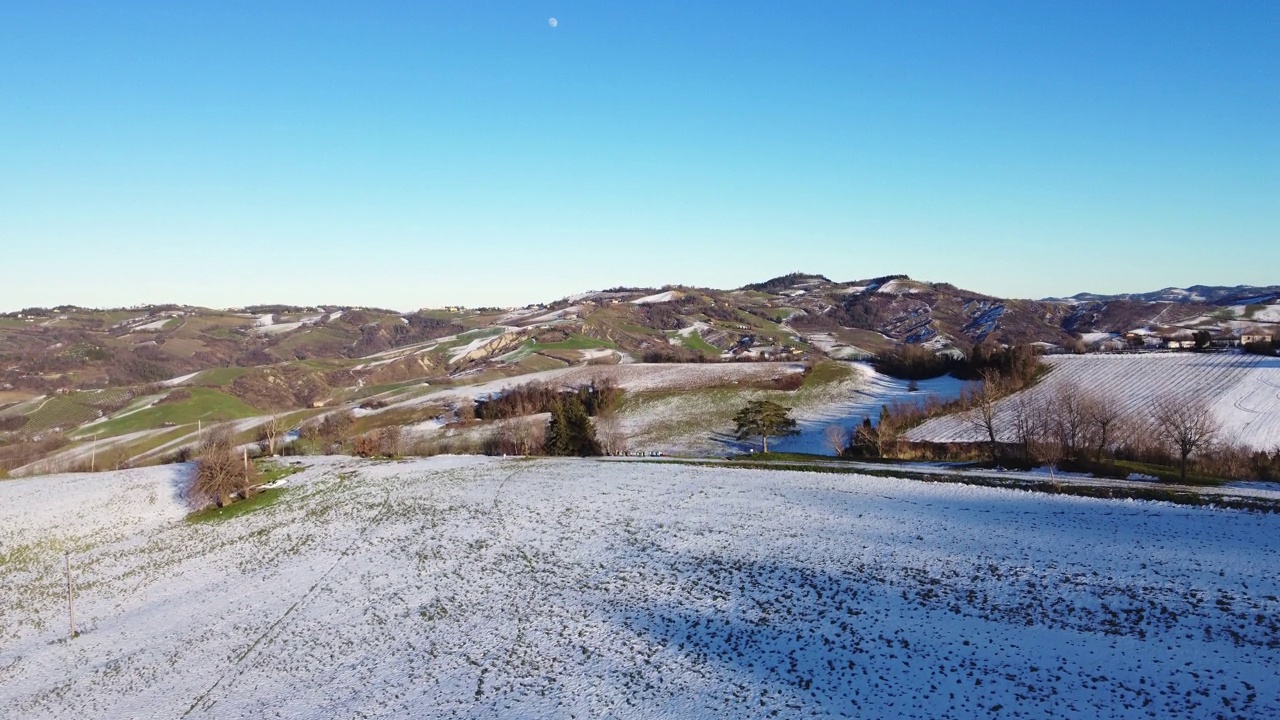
(866, 394)
(473, 588)
(1243, 390)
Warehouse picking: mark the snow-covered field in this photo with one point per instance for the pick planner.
(661, 297)
(868, 392)
(632, 377)
(1243, 392)
(465, 587)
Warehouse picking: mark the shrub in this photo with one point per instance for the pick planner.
(332, 428)
(175, 396)
(534, 398)
(383, 442)
(1261, 348)
(672, 354)
(520, 436)
(222, 475)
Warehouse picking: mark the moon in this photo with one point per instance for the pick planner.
(553, 22)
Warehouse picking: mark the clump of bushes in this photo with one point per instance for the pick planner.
(1016, 365)
(326, 436)
(673, 354)
(518, 436)
(175, 396)
(533, 398)
(570, 431)
(383, 442)
(222, 475)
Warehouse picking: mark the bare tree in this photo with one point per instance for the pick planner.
(466, 410)
(888, 428)
(1105, 418)
(837, 439)
(613, 439)
(1186, 425)
(1047, 446)
(530, 437)
(390, 441)
(1028, 423)
(1069, 419)
(982, 414)
(881, 439)
(269, 434)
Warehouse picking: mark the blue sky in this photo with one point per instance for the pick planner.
(418, 154)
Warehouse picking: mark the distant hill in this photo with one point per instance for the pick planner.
(1203, 294)
(44, 350)
(165, 370)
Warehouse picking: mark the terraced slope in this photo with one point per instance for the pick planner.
(1242, 390)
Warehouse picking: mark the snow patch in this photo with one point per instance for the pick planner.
(661, 297)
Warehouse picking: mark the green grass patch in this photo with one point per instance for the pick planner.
(1169, 474)
(439, 314)
(266, 498)
(152, 442)
(539, 363)
(397, 417)
(271, 471)
(102, 398)
(575, 342)
(464, 339)
(759, 323)
(59, 412)
(371, 390)
(783, 457)
(694, 341)
(219, 377)
(316, 338)
(205, 405)
(827, 371)
(326, 364)
(529, 349)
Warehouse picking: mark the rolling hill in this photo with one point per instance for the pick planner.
(144, 380)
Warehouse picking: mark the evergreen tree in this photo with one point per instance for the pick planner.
(764, 419)
(570, 431)
(557, 442)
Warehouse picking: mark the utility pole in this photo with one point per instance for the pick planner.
(71, 613)
(93, 454)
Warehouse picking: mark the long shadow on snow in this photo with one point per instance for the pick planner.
(795, 636)
(832, 641)
(822, 639)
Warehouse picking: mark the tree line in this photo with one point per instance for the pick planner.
(1017, 364)
(1072, 428)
